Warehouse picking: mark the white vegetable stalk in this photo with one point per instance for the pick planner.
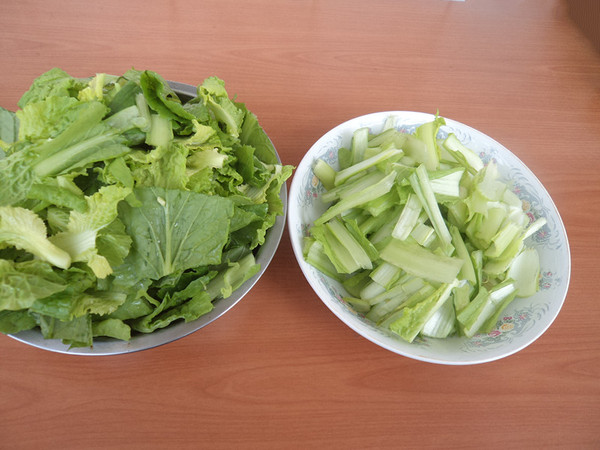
(408, 218)
(425, 238)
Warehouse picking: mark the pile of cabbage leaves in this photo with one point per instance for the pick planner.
(124, 208)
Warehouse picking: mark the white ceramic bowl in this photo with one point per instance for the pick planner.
(178, 329)
(524, 320)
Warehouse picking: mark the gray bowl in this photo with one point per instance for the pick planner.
(107, 346)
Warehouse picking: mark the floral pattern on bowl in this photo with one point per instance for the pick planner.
(523, 321)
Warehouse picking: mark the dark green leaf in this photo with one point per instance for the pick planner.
(175, 230)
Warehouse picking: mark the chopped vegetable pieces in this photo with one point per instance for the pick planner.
(438, 243)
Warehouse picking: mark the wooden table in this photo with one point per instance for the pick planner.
(279, 370)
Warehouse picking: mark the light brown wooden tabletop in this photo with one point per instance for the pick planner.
(280, 370)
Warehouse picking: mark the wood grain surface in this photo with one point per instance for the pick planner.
(279, 370)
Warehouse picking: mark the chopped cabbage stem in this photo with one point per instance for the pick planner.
(426, 238)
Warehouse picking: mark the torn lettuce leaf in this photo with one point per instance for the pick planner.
(142, 207)
(175, 230)
(223, 108)
(23, 229)
(23, 283)
(9, 128)
(79, 239)
(55, 82)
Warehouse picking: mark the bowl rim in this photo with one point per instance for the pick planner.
(376, 119)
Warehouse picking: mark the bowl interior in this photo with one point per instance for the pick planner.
(177, 330)
(524, 320)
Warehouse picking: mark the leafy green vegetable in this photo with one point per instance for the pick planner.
(9, 128)
(425, 237)
(79, 239)
(24, 229)
(175, 230)
(76, 332)
(113, 328)
(415, 317)
(22, 283)
(125, 207)
(15, 321)
(225, 111)
(54, 83)
(161, 98)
